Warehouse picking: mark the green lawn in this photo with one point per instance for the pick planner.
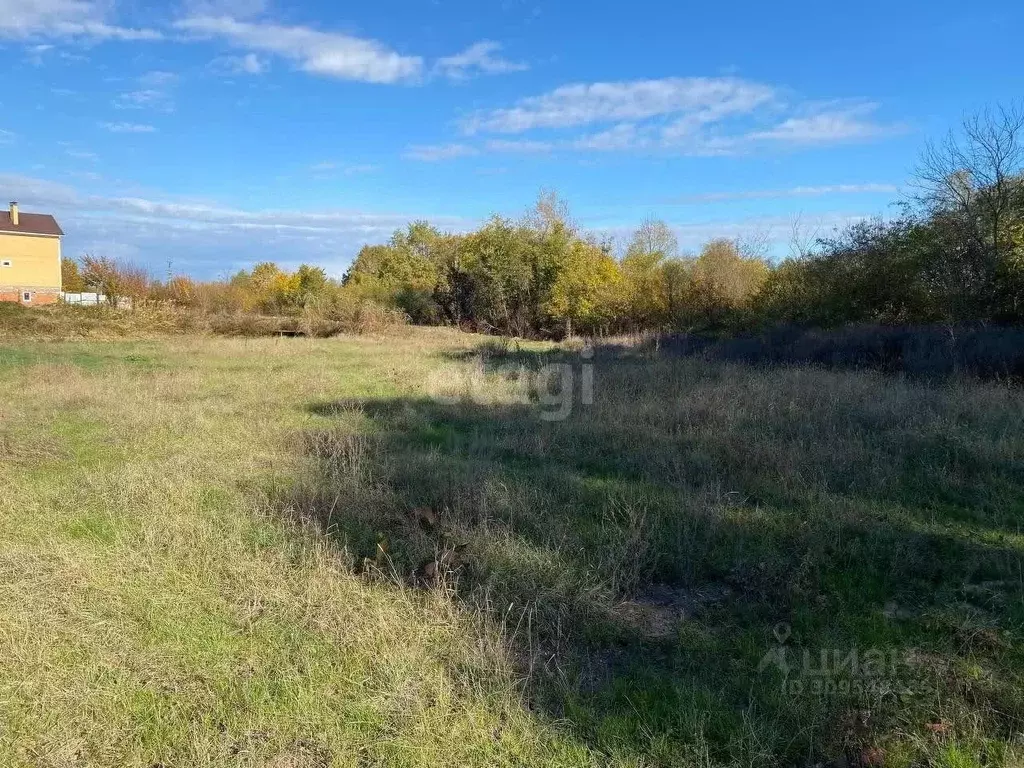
(209, 556)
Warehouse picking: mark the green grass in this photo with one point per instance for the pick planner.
(191, 569)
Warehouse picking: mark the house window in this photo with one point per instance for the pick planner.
(26, 296)
(5, 263)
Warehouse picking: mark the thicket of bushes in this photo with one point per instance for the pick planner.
(990, 352)
(264, 301)
(152, 318)
(955, 256)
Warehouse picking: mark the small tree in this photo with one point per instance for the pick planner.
(724, 280)
(642, 270)
(70, 276)
(971, 187)
(115, 280)
(583, 295)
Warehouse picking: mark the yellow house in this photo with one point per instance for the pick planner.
(29, 257)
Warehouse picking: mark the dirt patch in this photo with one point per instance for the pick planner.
(658, 611)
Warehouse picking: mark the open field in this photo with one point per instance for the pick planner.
(208, 557)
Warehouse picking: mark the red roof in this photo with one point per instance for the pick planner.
(30, 224)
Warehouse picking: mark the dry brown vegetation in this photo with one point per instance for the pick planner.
(368, 551)
(155, 320)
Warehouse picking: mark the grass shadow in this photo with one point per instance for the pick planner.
(675, 598)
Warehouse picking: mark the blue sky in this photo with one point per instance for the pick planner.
(216, 133)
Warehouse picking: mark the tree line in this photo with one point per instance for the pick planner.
(542, 276)
(953, 255)
(266, 289)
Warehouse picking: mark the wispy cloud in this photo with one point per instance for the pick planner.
(433, 153)
(620, 137)
(151, 229)
(696, 116)
(158, 79)
(236, 9)
(786, 193)
(65, 19)
(591, 103)
(348, 170)
(521, 146)
(145, 98)
(479, 59)
(775, 231)
(249, 64)
(129, 127)
(36, 54)
(242, 24)
(323, 53)
(830, 125)
(6, 137)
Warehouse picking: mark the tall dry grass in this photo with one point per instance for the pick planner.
(209, 555)
(154, 320)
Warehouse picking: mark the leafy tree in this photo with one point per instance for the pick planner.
(644, 297)
(70, 276)
(724, 281)
(583, 295)
(311, 283)
(403, 273)
(117, 281)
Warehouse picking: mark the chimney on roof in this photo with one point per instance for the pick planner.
(14, 213)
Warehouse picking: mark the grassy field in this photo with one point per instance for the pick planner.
(370, 552)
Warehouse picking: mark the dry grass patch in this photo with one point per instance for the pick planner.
(209, 549)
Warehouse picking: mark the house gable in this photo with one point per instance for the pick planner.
(30, 257)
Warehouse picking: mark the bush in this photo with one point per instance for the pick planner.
(927, 351)
(63, 321)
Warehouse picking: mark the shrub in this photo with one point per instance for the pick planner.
(928, 351)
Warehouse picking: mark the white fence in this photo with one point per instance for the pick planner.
(84, 299)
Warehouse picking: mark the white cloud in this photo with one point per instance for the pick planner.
(322, 53)
(849, 123)
(145, 98)
(129, 127)
(590, 103)
(523, 146)
(348, 170)
(236, 9)
(436, 152)
(791, 192)
(775, 231)
(620, 137)
(36, 54)
(102, 31)
(249, 64)
(6, 137)
(355, 170)
(696, 116)
(27, 19)
(213, 237)
(479, 58)
(155, 93)
(158, 79)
